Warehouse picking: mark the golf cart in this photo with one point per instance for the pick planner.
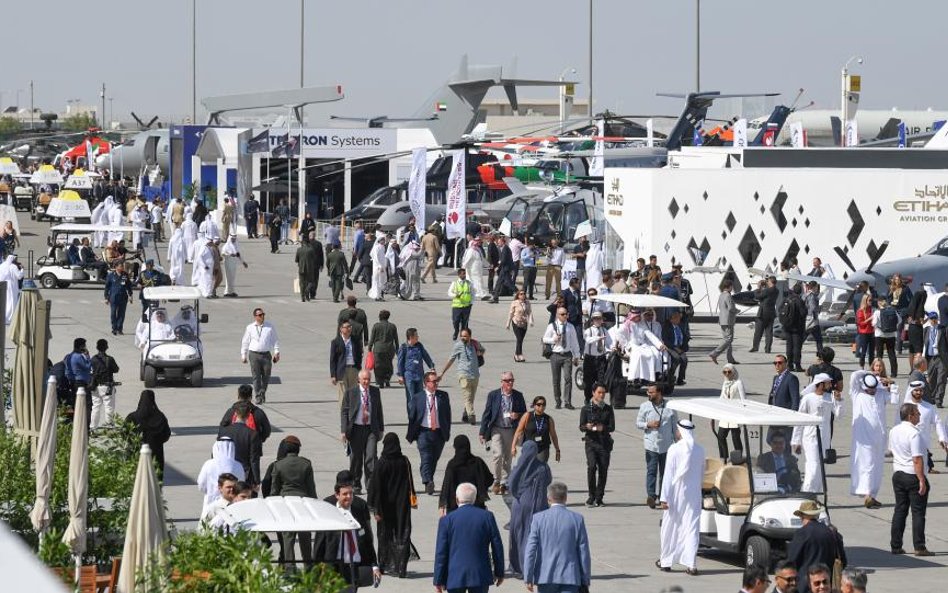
(746, 510)
(171, 347)
(53, 270)
(664, 378)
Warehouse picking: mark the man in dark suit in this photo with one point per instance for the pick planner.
(462, 562)
(247, 445)
(573, 301)
(781, 462)
(766, 297)
(498, 425)
(794, 327)
(493, 261)
(505, 269)
(362, 424)
(943, 309)
(345, 360)
(784, 391)
(342, 550)
(676, 337)
(429, 422)
(814, 543)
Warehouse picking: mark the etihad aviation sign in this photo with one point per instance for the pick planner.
(325, 142)
(927, 204)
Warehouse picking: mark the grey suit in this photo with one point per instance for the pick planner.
(727, 317)
(557, 553)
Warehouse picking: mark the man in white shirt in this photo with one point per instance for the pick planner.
(596, 344)
(554, 268)
(908, 480)
(261, 347)
(561, 336)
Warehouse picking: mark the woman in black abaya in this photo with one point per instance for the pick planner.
(391, 491)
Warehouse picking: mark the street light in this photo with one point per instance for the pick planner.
(566, 102)
(844, 97)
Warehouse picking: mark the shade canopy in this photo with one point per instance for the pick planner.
(8, 167)
(643, 301)
(744, 412)
(172, 293)
(68, 204)
(22, 570)
(46, 174)
(29, 332)
(45, 459)
(78, 491)
(286, 513)
(147, 530)
(79, 180)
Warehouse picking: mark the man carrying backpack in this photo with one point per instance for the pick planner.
(256, 420)
(793, 320)
(102, 386)
(887, 322)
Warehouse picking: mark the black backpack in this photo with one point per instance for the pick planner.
(888, 320)
(788, 315)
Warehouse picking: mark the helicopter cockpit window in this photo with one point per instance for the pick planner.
(939, 249)
(575, 214)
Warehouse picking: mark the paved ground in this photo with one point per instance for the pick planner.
(624, 534)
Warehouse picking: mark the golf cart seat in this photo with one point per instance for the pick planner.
(711, 467)
(732, 493)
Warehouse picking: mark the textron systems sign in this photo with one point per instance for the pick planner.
(323, 143)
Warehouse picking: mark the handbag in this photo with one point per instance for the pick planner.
(370, 361)
(477, 349)
(412, 497)
(547, 351)
(349, 283)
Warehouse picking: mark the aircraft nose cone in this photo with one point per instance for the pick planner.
(102, 161)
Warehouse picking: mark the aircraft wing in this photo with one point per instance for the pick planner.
(515, 185)
(827, 282)
(647, 301)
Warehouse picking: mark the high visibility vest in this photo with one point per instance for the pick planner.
(462, 294)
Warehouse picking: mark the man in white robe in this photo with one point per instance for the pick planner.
(818, 400)
(209, 227)
(202, 271)
(681, 501)
(185, 322)
(473, 263)
(115, 218)
(11, 273)
(230, 253)
(928, 419)
(643, 349)
(190, 231)
(410, 260)
(594, 260)
(139, 217)
(867, 458)
(177, 257)
(379, 268)
(100, 216)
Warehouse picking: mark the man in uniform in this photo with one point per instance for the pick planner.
(338, 269)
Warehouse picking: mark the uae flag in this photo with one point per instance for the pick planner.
(441, 106)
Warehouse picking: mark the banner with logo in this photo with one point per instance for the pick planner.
(740, 133)
(901, 134)
(852, 133)
(416, 186)
(598, 164)
(455, 218)
(797, 138)
(325, 143)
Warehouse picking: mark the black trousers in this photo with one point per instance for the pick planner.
(460, 317)
(678, 364)
(520, 333)
(597, 468)
(529, 280)
(888, 344)
(817, 334)
(763, 327)
(364, 445)
(593, 367)
(722, 440)
(907, 496)
(794, 349)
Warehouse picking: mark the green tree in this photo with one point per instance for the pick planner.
(8, 126)
(79, 122)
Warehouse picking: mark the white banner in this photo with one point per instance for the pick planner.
(416, 186)
(597, 166)
(649, 133)
(740, 133)
(456, 208)
(852, 133)
(323, 143)
(797, 139)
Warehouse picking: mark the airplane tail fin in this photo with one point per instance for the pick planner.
(778, 118)
(940, 139)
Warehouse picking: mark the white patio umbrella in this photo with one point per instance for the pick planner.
(8, 167)
(78, 493)
(47, 174)
(45, 460)
(146, 533)
(79, 180)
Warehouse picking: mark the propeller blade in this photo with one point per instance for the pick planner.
(842, 255)
(151, 122)
(136, 118)
(879, 254)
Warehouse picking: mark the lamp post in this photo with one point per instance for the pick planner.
(193, 62)
(566, 101)
(844, 97)
(590, 99)
(697, 46)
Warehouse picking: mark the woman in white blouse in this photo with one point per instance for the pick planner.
(732, 388)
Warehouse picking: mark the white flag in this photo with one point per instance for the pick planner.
(797, 140)
(649, 133)
(740, 133)
(852, 133)
(416, 186)
(597, 166)
(456, 208)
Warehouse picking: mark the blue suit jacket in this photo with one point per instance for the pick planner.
(492, 410)
(557, 549)
(461, 555)
(418, 410)
(788, 394)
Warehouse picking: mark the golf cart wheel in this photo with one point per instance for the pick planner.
(757, 551)
(578, 378)
(197, 377)
(48, 281)
(150, 376)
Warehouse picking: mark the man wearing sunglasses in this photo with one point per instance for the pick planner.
(260, 347)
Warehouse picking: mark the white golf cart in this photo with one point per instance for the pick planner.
(54, 271)
(174, 350)
(746, 510)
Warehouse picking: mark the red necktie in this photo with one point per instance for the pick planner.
(365, 407)
(432, 413)
(351, 545)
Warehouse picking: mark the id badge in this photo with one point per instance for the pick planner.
(538, 439)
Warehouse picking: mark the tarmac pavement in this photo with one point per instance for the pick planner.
(624, 535)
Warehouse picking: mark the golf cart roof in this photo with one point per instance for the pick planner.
(644, 301)
(94, 228)
(287, 513)
(172, 293)
(747, 412)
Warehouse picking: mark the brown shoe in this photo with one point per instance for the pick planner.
(495, 488)
(872, 503)
(924, 552)
(650, 501)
